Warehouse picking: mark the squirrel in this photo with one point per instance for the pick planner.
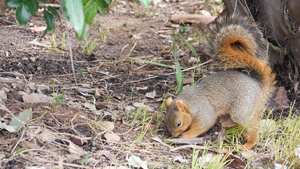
(236, 43)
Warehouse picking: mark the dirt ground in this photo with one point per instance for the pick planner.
(126, 117)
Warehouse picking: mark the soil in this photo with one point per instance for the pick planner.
(83, 132)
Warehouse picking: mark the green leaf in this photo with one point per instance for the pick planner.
(189, 45)
(22, 15)
(74, 11)
(146, 3)
(54, 12)
(178, 72)
(43, 0)
(14, 3)
(178, 75)
(90, 10)
(49, 18)
(15, 124)
(106, 3)
(32, 6)
(100, 6)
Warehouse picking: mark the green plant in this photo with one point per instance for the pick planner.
(193, 51)
(82, 73)
(21, 149)
(61, 44)
(109, 96)
(182, 29)
(80, 13)
(58, 99)
(90, 46)
(84, 158)
(178, 72)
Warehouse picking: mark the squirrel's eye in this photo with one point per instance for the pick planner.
(178, 123)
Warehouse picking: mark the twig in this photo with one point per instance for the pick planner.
(18, 142)
(69, 41)
(195, 147)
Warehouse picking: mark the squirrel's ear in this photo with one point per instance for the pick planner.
(181, 107)
(169, 102)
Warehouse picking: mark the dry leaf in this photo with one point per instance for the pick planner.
(108, 125)
(47, 136)
(89, 106)
(297, 152)
(74, 149)
(142, 88)
(222, 135)
(137, 162)
(38, 28)
(151, 95)
(180, 159)
(142, 105)
(112, 137)
(129, 108)
(266, 125)
(36, 98)
(29, 145)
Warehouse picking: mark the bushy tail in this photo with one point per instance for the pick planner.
(236, 42)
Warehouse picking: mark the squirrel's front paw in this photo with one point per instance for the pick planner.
(187, 135)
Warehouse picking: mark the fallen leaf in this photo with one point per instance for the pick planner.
(137, 162)
(280, 166)
(297, 152)
(143, 106)
(74, 149)
(47, 136)
(221, 135)
(206, 158)
(29, 145)
(89, 106)
(266, 125)
(98, 92)
(129, 109)
(2, 156)
(36, 98)
(192, 18)
(151, 95)
(142, 88)
(112, 137)
(16, 124)
(180, 159)
(108, 125)
(38, 28)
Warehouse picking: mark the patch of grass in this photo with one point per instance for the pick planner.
(89, 46)
(21, 149)
(282, 138)
(178, 74)
(61, 44)
(103, 33)
(58, 99)
(109, 96)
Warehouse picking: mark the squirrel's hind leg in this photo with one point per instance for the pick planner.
(251, 135)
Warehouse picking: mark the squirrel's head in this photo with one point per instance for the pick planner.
(178, 117)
